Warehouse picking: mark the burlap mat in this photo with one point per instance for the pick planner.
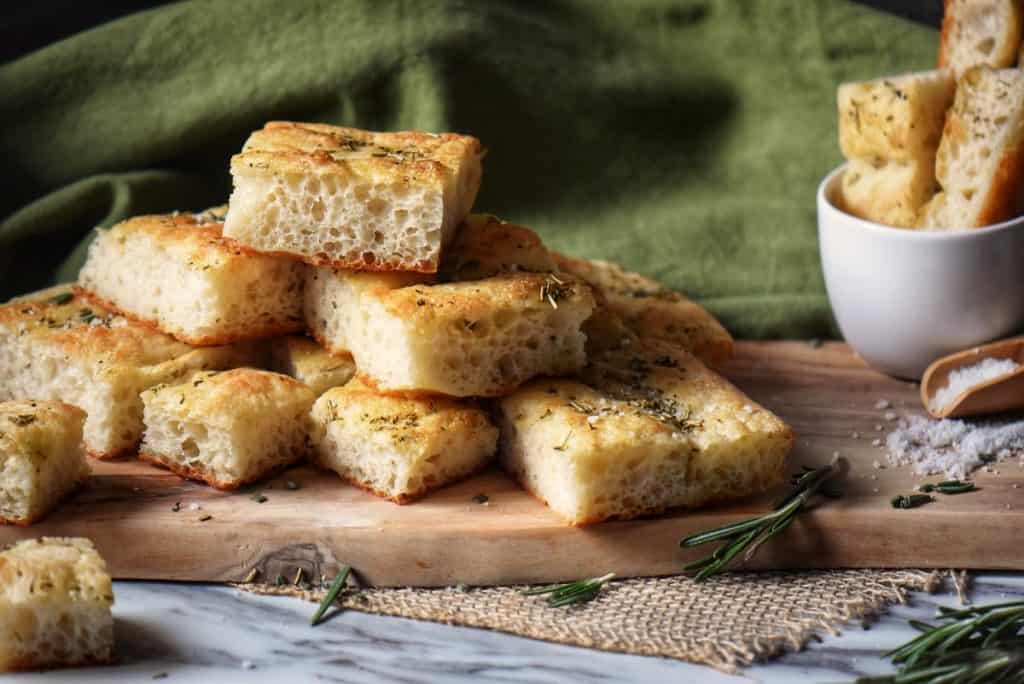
(729, 621)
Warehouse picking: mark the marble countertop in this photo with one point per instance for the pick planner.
(198, 634)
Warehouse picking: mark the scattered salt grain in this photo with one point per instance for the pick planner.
(194, 507)
(951, 447)
(883, 404)
(878, 427)
(876, 442)
(855, 435)
(968, 377)
(890, 415)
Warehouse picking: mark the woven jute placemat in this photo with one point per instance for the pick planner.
(728, 621)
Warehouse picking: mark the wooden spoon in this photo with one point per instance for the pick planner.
(1003, 393)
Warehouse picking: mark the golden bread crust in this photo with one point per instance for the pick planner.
(651, 310)
(486, 246)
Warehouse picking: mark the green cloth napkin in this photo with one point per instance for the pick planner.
(683, 138)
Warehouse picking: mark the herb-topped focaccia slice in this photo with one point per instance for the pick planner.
(227, 429)
(348, 198)
(311, 364)
(494, 328)
(889, 130)
(980, 164)
(642, 429)
(651, 310)
(399, 448)
(58, 345)
(178, 273)
(41, 457)
(55, 599)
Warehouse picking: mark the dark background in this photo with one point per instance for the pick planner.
(31, 25)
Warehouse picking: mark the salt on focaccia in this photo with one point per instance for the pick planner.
(479, 337)
(651, 310)
(56, 345)
(980, 163)
(399, 448)
(311, 364)
(176, 272)
(980, 32)
(55, 599)
(41, 457)
(641, 430)
(227, 429)
(348, 198)
(889, 129)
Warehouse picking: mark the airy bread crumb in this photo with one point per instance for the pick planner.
(399, 448)
(176, 272)
(980, 163)
(311, 364)
(980, 32)
(640, 431)
(56, 345)
(348, 198)
(41, 457)
(227, 429)
(55, 599)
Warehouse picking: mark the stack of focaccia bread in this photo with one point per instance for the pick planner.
(438, 340)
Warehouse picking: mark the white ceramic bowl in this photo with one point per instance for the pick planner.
(903, 298)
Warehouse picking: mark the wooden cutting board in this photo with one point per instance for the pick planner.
(825, 393)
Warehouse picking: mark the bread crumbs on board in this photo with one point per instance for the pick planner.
(953, 447)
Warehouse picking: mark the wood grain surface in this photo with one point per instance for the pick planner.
(825, 393)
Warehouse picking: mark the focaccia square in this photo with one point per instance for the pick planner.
(311, 364)
(41, 457)
(55, 599)
(348, 198)
(641, 430)
(496, 327)
(227, 429)
(399, 448)
(176, 272)
(57, 345)
(651, 310)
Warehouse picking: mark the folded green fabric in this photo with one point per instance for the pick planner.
(684, 138)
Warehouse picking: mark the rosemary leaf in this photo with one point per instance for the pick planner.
(948, 487)
(332, 595)
(911, 500)
(571, 592)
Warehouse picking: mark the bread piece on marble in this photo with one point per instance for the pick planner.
(176, 272)
(56, 345)
(42, 459)
(399, 448)
(651, 310)
(980, 33)
(311, 364)
(641, 430)
(227, 428)
(55, 599)
(980, 163)
(348, 198)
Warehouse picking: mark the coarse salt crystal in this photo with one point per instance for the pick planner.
(883, 404)
(952, 447)
(890, 415)
(968, 377)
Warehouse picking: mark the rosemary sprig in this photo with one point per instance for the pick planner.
(332, 595)
(977, 644)
(746, 536)
(572, 592)
(948, 487)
